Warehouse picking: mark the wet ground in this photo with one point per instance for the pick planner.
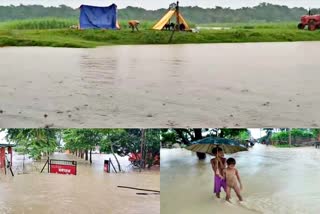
(148, 86)
(91, 191)
(275, 181)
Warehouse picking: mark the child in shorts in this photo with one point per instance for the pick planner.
(218, 164)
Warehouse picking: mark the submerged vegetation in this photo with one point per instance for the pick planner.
(39, 143)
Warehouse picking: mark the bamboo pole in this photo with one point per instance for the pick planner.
(177, 13)
(289, 136)
(147, 190)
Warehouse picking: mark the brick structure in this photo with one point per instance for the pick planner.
(5, 148)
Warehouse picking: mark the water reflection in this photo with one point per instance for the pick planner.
(275, 181)
(98, 70)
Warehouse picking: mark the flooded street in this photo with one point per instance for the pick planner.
(90, 191)
(275, 181)
(147, 86)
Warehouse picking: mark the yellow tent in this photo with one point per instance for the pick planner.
(166, 18)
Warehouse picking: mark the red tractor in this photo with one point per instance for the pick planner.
(312, 21)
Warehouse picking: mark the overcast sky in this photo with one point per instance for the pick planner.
(155, 4)
(257, 133)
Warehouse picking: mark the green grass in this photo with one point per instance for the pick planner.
(284, 135)
(56, 33)
(284, 146)
(45, 23)
(262, 25)
(57, 23)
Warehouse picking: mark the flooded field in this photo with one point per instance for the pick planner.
(275, 181)
(91, 191)
(147, 86)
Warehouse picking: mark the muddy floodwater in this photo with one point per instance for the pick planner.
(247, 85)
(275, 181)
(207, 85)
(91, 191)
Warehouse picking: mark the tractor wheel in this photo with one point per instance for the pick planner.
(312, 25)
(301, 26)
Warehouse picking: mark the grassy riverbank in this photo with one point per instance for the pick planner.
(56, 33)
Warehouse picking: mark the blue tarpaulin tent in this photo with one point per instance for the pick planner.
(92, 17)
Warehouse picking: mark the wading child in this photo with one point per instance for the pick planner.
(218, 165)
(232, 177)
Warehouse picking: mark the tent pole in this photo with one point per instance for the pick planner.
(177, 12)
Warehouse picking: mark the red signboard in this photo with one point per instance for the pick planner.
(107, 166)
(63, 167)
(2, 157)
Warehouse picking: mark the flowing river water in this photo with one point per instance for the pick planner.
(207, 85)
(90, 191)
(275, 180)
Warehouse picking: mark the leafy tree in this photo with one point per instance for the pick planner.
(168, 138)
(35, 142)
(283, 137)
(114, 141)
(186, 136)
(234, 133)
(83, 140)
(316, 133)
(152, 145)
(125, 141)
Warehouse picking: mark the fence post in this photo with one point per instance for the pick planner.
(112, 165)
(109, 165)
(5, 167)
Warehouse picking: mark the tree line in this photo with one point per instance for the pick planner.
(185, 137)
(263, 12)
(41, 143)
(282, 136)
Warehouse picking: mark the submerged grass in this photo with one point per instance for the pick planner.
(284, 146)
(56, 33)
